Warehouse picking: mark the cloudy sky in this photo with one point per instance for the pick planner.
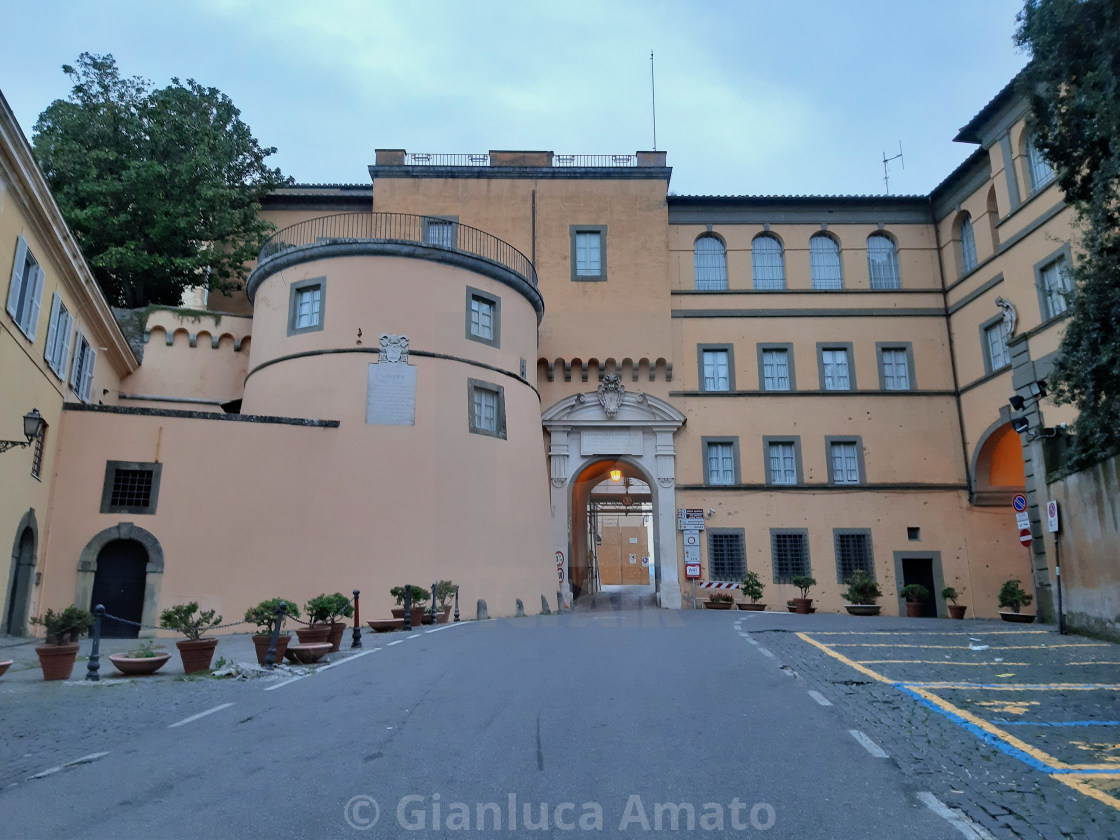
(788, 97)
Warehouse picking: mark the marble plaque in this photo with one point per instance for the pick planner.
(391, 395)
(610, 443)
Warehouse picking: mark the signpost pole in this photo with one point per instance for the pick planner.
(1058, 577)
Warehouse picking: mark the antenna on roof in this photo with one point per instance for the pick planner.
(653, 100)
(886, 171)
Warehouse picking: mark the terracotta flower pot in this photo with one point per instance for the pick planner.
(314, 634)
(913, 609)
(757, 607)
(957, 611)
(57, 661)
(802, 606)
(1018, 618)
(862, 609)
(719, 605)
(442, 617)
(196, 654)
(261, 642)
(138, 666)
(5, 665)
(338, 630)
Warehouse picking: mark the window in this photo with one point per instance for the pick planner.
(882, 262)
(824, 262)
(37, 456)
(1039, 170)
(766, 263)
(305, 305)
(589, 252)
(440, 232)
(845, 460)
(131, 487)
(81, 373)
(895, 367)
(789, 553)
(835, 366)
(721, 461)
(715, 369)
(58, 337)
(782, 460)
(776, 374)
(486, 409)
(853, 552)
(996, 355)
(26, 290)
(968, 244)
(710, 263)
(1054, 286)
(483, 317)
(727, 555)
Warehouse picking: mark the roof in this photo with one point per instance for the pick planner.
(970, 132)
(781, 199)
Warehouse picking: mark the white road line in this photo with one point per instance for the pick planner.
(820, 698)
(752, 641)
(350, 658)
(85, 759)
(193, 718)
(868, 744)
(286, 682)
(397, 642)
(765, 652)
(954, 817)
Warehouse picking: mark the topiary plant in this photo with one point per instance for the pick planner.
(914, 593)
(1014, 597)
(264, 614)
(950, 595)
(804, 582)
(862, 589)
(188, 620)
(445, 592)
(65, 627)
(326, 609)
(752, 586)
(419, 595)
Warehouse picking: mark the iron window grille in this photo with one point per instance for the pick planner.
(853, 553)
(726, 556)
(789, 553)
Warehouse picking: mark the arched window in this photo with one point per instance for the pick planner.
(824, 262)
(882, 262)
(993, 217)
(968, 243)
(766, 263)
(1039, 169)
(710, 258)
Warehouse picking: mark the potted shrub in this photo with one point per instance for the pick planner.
(752, 587)
(1012, 597)
(419, 596)
(140, 662)
(915, 595)
(719, 601)
(862, 594)
(445, 595)
(264, 616)
(325, 610)
(195, 651)
(955, 610)
(63, 630)
(804, 604)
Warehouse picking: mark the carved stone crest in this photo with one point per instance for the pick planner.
(394, 349)
(1009, 316)
(611, 393)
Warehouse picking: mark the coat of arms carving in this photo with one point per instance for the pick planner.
(611, 393)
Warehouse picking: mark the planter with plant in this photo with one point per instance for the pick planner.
(752, 586)
(719, 601)
(791, 606)
(139, 662)
(326, 610)
(1012, 598)
(916, 596)
(862, 594)
(195, 651)
(955, 610)
(420, 596)
(63, 630)
(264, 616)
(445, 596)
(804, 604)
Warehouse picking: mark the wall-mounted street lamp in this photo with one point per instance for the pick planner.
(616, 475)
(32, 424)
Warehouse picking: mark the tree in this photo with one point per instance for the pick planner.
(161, 187)
(1073, 81)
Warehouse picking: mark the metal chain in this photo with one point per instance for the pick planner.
(31, 641)
(157, 627)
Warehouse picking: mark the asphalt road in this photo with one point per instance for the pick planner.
(606, 722)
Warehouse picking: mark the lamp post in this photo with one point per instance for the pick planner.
(32, 425)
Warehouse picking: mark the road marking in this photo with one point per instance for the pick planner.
(963, 686)
(85, 759)
(193, 718)
(766, 652)
(447, 627)
(849, 662)
(820, 698)
(868, 744)
(957, 820)
(931, 633)
(397, 642)
(932, 662)
(964, 647)
(1093, 663)
(1057, 723)
(350, 658)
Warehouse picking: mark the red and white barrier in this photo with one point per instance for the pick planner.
(717, 584)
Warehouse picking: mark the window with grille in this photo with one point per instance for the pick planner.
(782, 458)
(727, 555)
(483, 317)
(775, 370)
(717, 370)
(1039, 169)
(789, 553)
(844, 456)
(895, 363)
(440, 232)
(882, 262)
(710, 263)
(766, 263)
(720, 462)
(834, 369)
(589, 252)
(1056, 284)
(853, 552)
(305, 305)
(824, 263)
(131, 487)
(995, 340)
(486, 407)
(968, 244)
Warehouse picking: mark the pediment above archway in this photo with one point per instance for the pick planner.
(610, 407)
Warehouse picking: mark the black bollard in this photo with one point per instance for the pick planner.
(456, 603)
(357, 638)
(270, 657)
(408, 607)
(433, 605)
(95, 651)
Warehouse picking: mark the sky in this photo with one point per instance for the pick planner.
(796, 97)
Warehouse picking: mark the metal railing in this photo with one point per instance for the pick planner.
(441, 159)
(594, 160)
(428, 231)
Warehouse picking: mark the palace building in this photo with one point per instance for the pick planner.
(517, 369)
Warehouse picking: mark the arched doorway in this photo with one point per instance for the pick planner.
(997, 469)
(22, 577)
(118, 584)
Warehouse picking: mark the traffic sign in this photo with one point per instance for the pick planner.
(690, 519)
(1052, 517)
(692, 538)
(1025, 537)
(1023, 520)
(1019, 502)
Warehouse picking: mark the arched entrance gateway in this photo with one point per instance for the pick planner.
(591, 435)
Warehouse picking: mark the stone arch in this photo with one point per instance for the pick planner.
(87, 568)
(998, 455)
(17, 595)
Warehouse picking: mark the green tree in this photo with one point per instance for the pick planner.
(1073, 81)
(162, 187)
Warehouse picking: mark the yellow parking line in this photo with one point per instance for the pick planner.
(963, 646)
(931, 662)
(849, 662)
(1093, 663)
(1081, 787)
(963, 686)
(932, 633)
